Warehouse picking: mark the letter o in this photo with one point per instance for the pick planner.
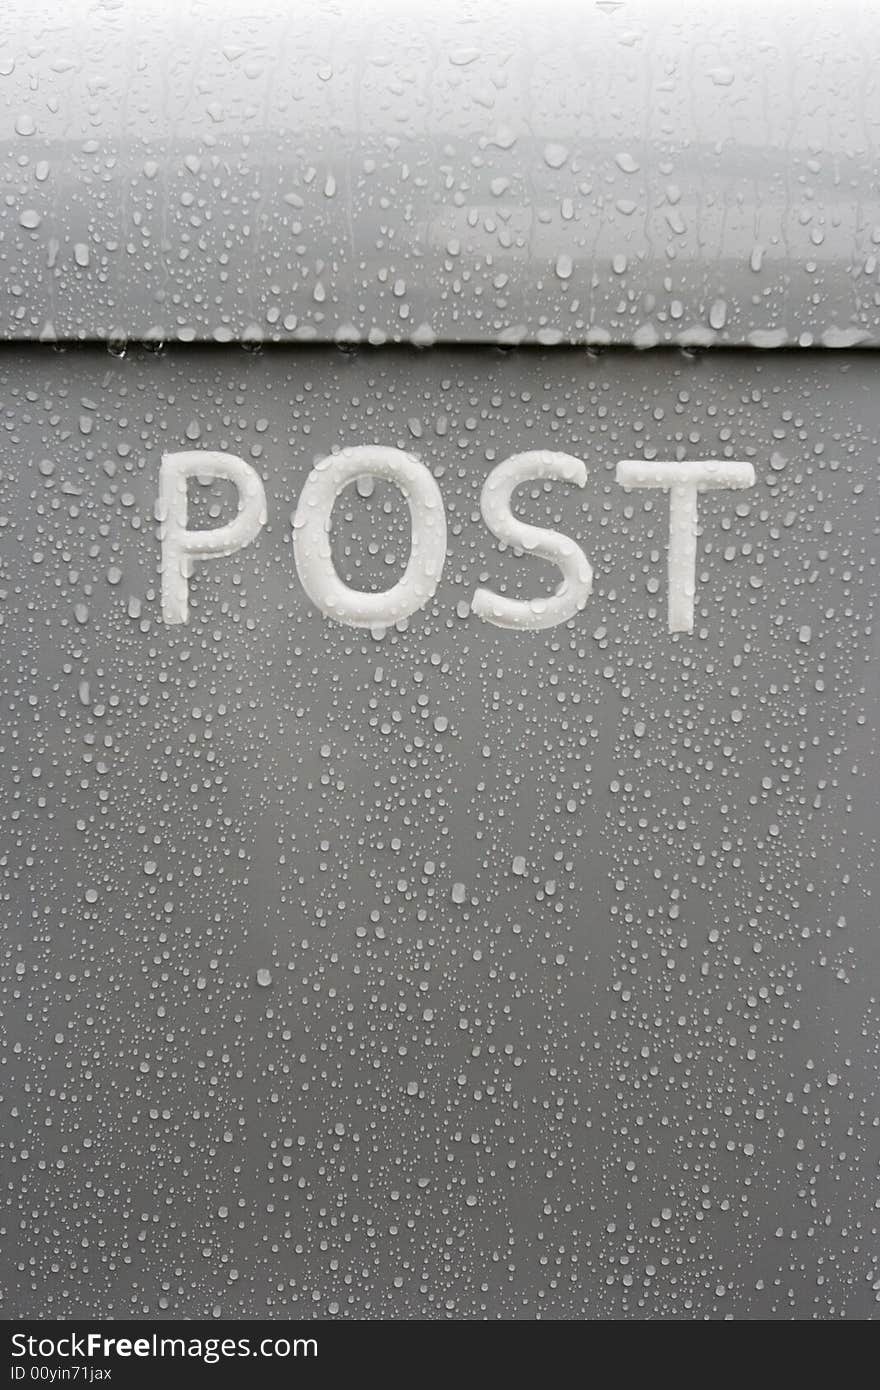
(311, 536)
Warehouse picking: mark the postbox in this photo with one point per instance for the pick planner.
(439, 516)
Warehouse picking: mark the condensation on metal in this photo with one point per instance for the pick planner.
(581, 173)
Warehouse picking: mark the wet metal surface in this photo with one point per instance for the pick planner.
(467, 972)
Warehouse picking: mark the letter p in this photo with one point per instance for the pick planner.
(180, 546)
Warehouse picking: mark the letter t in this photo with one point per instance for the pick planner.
(683, 481)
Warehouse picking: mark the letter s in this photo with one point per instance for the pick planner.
(577, 574)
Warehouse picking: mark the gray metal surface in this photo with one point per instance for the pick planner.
(393, 171)
(468, 972)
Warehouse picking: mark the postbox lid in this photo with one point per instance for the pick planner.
(577, 173)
